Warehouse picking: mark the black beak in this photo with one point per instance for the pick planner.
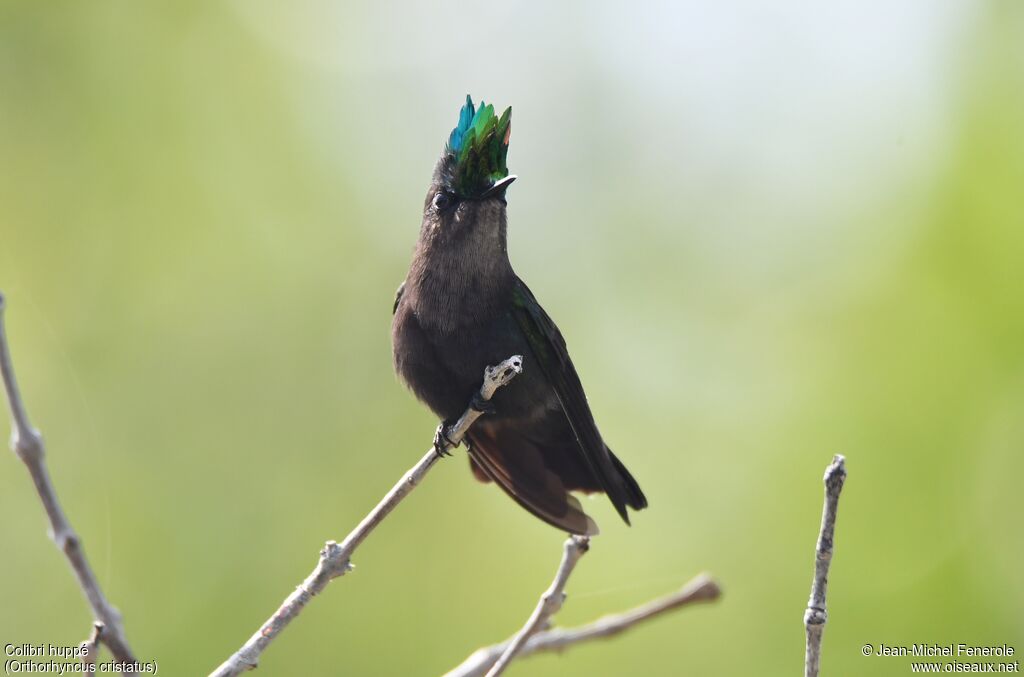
(499, 187)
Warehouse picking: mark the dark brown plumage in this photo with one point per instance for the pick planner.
(462, 308)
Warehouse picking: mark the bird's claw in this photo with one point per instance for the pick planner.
(441, 440)
(483, 406)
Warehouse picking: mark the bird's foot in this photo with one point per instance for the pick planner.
(442, 443)
(483, 406)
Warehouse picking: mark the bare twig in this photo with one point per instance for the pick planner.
(549, 604)
(334, 557)
(91, 647)
(27, 443)
(701, 589)
(815, 616)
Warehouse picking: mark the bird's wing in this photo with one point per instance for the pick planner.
(502, 452)
(398, 297)
(550, 351)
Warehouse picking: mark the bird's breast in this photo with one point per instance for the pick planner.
(442, 359)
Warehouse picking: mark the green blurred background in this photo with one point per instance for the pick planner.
(769, 234)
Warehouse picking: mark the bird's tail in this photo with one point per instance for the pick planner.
(635, 498)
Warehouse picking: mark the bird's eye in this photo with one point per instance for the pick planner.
(442, 201)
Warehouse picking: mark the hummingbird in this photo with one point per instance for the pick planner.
(462, 307)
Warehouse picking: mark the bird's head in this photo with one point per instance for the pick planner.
(471, 177)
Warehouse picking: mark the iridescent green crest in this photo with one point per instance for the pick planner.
(477, 149)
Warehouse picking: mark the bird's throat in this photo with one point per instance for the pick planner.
(456, 287)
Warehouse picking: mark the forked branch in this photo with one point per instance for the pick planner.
(550, 603)
(701, 589)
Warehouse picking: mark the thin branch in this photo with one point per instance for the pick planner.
(334, 557)
(550, 603)
(701, 589)
(816, 616)
(91, 648)
(27, 443)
